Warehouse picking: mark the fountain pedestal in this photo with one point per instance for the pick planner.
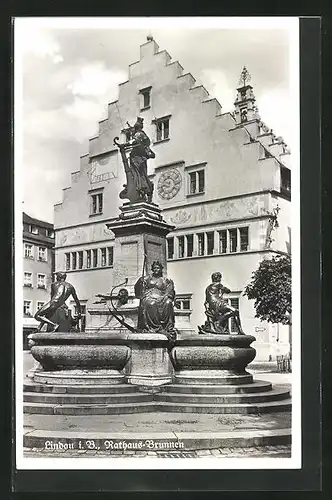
(140, 237)
(149, 364)
(213, 359)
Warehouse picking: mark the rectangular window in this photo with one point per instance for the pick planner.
(88, 259)
(103, 257)
(183, 303)
(40, 304)
(201, 245)
(162, 129)
(223, 241)
(197, 182)
(110, 251)
(83, 314)
(244, 239)
(41, 281)
(67, 259)
(27, 309)
(233, 240)
(181, 246)
(96, 203)
(234, 303)
(50, 233)
(190, 245)
(34, 230)
(170, 248)
(74, 260)
(146, 97)
(94, 257)
(210, 243)
(285, 176)
(186, 304)
(42, 253)
(192, 183)
(201, 181)
(28, 279)
(28, 251)
(80, 260)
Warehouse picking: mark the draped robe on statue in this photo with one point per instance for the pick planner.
(156, 311)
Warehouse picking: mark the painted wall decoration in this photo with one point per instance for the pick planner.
(84, 234)
(219, 212)
(181, 217)
(103, 168)
(169, 184)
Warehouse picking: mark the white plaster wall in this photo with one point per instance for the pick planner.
(199, 133)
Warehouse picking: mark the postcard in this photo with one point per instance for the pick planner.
(157, 215)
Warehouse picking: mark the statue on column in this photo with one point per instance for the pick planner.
(217, 309)
(156, 309)
(55, 313)
(138, 186)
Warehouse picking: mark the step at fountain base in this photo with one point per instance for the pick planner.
(91, 399)
(193, 441)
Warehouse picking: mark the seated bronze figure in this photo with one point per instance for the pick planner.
(156, 309)
(55, 313)
(217, 309)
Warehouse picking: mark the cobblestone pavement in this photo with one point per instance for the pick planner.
(158, 422)
(257, 452)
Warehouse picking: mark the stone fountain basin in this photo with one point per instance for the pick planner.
(213, 352)
(72, 351)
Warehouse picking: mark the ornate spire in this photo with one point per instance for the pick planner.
(245, 107)
(245, 77)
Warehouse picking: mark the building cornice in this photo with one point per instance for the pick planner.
(214, 200)
(181, 205)
(86, 243)
(220, 224)
(233, 254)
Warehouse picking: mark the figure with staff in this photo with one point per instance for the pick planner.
(138, 186)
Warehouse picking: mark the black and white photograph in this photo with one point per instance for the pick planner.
(157, 228)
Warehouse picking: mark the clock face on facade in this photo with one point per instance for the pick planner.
(169, 184)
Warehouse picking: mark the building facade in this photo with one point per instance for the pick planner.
(222, 179)
(38, 267)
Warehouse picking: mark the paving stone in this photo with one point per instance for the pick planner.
(202, 453)
(215, 452)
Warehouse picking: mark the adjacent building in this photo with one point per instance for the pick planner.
(223, 179)
(38, 267)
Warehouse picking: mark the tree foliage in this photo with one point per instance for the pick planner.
(271, 289)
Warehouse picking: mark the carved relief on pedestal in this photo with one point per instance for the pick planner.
(127, 267)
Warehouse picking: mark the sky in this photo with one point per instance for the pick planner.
(69, 75)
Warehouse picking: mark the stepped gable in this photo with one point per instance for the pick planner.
(247, 117)
(242, 127)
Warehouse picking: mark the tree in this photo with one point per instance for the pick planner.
(271, 288)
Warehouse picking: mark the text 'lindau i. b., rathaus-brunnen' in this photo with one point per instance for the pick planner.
(140, 354)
